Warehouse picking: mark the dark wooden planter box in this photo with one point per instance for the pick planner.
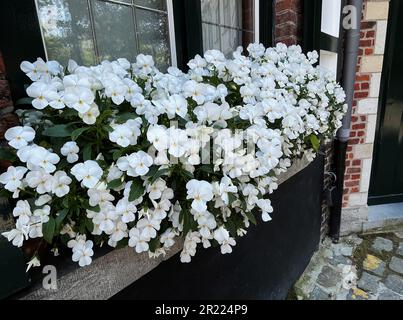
(264, 264)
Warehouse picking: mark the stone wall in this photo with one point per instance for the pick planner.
(365, 108)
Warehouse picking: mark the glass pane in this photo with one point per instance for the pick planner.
(227, 24)
(153, 4)
(67, 30)
(210, 11)
(115, 31)
(230, 40)
(211, 36)
(153, 36)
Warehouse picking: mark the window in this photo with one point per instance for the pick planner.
(227, 24)
(90, 31)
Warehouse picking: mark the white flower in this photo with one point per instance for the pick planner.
(42, 158)
(22, 211)
(17, 235)
(61, 182)
(155, 190)
(201, 192)
(177, 142)
(91, 115)
(223, 238)
(121, 135)
(89, 173)
(138, 240)
(136, 164)
(265, 206)
(82, 253)
(41, 180)
(12, 179)
(119, 232)
(43, 214)
(167, 238)
(106, 219)
(79, 98)
(158, 137)
(126, 210)
(34, 262)
(70, 150)
(42, 200)
(19, 137)
(148, 228)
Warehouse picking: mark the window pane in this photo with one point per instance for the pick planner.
(67, 30)
(153, 36)
(153, 4)
(114, 29)
(227, 24)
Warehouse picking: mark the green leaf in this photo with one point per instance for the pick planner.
(208, 168)
(87, 152)
(188, 222)
(117, 154)
(24, 101)
(60, 218)
(5, 194)
(136, 190)
(158, 174)
(188, 174)
(7, 154)
(115, 184)
(48, 229)
(89, 225)
(251, 217)
(59, 130)
(315, 142)
(123, 117)
(78, 132)
(231, 198)
(153, 244)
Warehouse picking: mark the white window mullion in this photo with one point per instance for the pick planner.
(171, 27)
(256, 21)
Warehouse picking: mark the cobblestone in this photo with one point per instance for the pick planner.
(367, 267)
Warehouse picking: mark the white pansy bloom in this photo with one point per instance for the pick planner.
(12, 178)
(61, 182)
(19, 137)
(200, 192)
(70, 150)
(89, 173)
(82, 253)
(91, 115)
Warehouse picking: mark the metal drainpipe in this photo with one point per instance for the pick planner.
(352, 42)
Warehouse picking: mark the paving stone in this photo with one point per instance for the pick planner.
(400, 249)
(396, 264)
(357, 294)
(382, 244)
(374, 265)
(328, 277)
(319, 294)
(389, 295)
(369, 282)
(336, 260)
(395, 283)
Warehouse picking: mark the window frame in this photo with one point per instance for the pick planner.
(170, 18)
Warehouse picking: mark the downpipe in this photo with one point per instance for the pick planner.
(352, 43)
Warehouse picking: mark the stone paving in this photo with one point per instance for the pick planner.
(365, 267)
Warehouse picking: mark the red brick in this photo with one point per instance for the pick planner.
(360, 95)
(363, 77)
(352, 183)
(356, 177)
(370, 34)
(358, 126)
(364, 86)
(369, 51)
(353, 170)
(356, 162)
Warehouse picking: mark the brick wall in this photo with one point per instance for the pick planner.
(365, 107)
(7, 118)
(289, 21)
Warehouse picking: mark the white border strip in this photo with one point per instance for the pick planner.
(171, 27)
(40, 27)
(256, 20)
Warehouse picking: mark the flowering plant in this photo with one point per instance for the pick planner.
(124, 154)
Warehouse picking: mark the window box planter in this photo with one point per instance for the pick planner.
(252, 271)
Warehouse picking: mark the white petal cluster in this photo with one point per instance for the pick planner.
(120, 153)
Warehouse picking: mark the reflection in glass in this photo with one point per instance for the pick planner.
(114, 30)
(227, 24)
(152, 4)
(90, 31)
(153, 35)
(66, 30)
